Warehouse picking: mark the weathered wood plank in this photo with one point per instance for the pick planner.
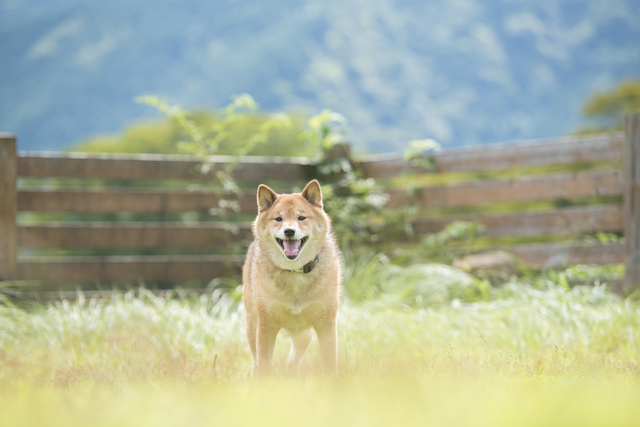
(572, 220)
(556, 186)
(125, 235)
(576, 220)
(8, 210)
(120, 200)
(632, 198)
(558, 255)
(206, 267)
(128, 269)
(498, 156)
(157, 167)
(565, 185)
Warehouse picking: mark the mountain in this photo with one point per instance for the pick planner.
(458, 71)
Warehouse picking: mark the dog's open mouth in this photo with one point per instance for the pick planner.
(290, 247)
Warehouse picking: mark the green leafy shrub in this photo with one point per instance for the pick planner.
(239, 127)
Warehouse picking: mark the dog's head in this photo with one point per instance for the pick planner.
(291, 227)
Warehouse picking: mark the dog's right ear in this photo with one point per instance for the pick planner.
(266, 197)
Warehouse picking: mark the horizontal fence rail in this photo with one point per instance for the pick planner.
(557, 186)
(125, 200)
(131, 235)
(158, 167)
(501, 156)
(564, 185)
(151, 268)
(572, 220)
(602, 180)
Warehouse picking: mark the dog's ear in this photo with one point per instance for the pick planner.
(313, 193)
(266, 197)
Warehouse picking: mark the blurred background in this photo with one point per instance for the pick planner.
(482, 286)
(460, 72)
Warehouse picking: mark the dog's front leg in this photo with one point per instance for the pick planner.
(328, 341)
(267, 334)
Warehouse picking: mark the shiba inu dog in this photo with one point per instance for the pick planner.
(291, 277)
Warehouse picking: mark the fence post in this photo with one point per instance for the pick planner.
(8, 209)
(338, 152)
(632, 198)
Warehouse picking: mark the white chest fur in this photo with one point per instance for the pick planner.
(294, 291)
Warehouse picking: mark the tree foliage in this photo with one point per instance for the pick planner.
(605, 110)
(237, 128)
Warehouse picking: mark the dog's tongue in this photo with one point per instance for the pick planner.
(291, 247)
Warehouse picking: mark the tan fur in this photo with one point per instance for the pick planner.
(276, 298)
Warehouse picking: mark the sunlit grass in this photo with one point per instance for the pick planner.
(424, 345)
(400, 401)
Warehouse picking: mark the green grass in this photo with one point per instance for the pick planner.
(419, 345)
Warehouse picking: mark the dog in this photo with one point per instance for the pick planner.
(291, 278)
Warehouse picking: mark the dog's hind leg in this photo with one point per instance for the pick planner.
(299, 344)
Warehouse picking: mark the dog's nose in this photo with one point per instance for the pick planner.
(289, 232)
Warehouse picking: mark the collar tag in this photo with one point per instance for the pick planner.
(308, 266)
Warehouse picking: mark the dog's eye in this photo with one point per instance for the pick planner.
(301, 218)
(279, 219)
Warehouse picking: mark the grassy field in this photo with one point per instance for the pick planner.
(419, 345)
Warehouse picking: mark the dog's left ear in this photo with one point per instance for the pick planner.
(313, 193)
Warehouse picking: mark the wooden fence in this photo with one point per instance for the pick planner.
(560, 170)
